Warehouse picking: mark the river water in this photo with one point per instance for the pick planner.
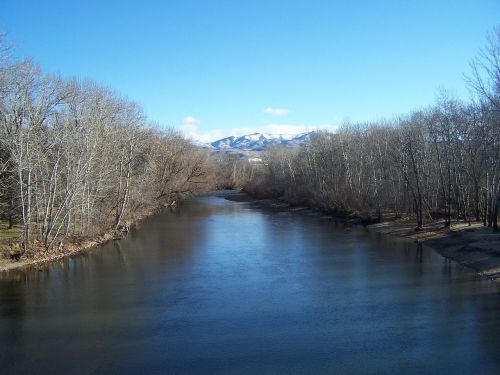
(221, 288)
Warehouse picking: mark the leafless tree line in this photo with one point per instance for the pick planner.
(441, 162)
(77, 160)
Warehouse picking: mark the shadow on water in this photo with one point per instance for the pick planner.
(217, 287)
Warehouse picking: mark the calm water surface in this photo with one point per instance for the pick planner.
(220, 288)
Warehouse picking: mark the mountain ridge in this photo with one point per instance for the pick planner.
(259, 141)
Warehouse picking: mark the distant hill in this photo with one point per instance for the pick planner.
(259, 141)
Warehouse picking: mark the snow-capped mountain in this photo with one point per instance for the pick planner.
(259, 141)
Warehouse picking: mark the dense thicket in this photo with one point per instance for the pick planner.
(77, 160)
(442, 162)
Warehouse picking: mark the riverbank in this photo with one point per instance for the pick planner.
(276, 203)
(71, 247)
(8, 264)
(476, 247)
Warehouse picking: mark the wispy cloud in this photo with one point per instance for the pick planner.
(190, 121)
(276, 111)
(189, 127)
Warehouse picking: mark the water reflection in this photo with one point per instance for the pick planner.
(220, 288)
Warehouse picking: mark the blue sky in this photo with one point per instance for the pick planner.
(212, 68)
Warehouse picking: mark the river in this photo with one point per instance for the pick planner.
(221, 288)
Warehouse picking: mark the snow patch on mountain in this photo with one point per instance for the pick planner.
(259, 141)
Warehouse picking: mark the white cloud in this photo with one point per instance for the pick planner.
(189, 126)
(276, 111)
(190, 120)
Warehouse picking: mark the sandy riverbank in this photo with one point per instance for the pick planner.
(475, 246)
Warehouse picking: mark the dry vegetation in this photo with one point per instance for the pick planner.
(78, 161)
(79, 164)
(441, 163)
